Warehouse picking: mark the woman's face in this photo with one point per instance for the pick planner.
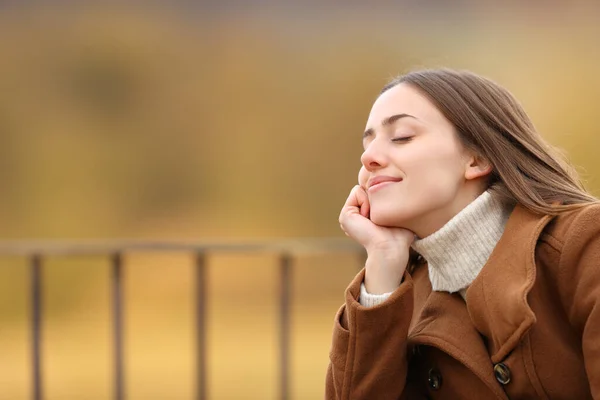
(426, 175)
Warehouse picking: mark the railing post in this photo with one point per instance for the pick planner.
(36, 324)
(201, 326)
(117, 299)
(285, 272)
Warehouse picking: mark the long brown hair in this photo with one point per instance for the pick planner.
(491, 122)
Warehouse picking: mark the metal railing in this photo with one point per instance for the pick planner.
(286, 250)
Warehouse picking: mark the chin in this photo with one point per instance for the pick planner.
(394, 219)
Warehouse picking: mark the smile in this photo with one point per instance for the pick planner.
(379, 183)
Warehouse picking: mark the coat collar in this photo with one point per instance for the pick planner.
(497, 298)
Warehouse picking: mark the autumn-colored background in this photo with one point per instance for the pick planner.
(228, 120)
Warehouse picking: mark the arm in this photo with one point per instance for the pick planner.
(368, 357)
(579, 281)
(368, 353)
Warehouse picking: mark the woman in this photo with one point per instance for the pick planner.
(482, 279)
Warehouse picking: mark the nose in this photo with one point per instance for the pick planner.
(374, 156)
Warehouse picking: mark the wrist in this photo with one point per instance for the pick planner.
(380, 287)
(387, 255)
(388, 249)
(384, 272)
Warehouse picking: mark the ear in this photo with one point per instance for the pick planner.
(477, 167)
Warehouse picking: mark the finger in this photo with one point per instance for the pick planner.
(353, 200)
(365, 206)
(343, 228)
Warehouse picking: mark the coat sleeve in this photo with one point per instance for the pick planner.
(368, 357)
(580, 280)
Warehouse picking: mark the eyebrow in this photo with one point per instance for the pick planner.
(389, 121)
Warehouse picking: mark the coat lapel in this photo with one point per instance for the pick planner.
(497, 298)
(444, 323)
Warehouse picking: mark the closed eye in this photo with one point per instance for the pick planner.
(402, 139)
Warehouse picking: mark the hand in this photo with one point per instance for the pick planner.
(387, 247)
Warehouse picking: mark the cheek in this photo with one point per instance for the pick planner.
(437, 180)
(432, 179)
(439, 163)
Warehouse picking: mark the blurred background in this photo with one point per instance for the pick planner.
(228, 120)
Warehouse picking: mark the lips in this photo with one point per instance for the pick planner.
(381, 180)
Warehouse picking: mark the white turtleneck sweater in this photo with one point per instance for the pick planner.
(458, 251)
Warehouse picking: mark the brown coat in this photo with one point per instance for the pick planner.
(531, 320)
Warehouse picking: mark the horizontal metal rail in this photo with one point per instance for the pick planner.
(104, 247)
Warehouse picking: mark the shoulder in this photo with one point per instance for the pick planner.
(574, 262)
(574, 226)
(574, 234)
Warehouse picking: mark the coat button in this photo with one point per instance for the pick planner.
(435, 379)
(502, 373)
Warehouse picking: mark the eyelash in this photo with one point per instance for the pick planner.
(402, 139)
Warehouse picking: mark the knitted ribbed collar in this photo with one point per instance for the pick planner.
(459, 250)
